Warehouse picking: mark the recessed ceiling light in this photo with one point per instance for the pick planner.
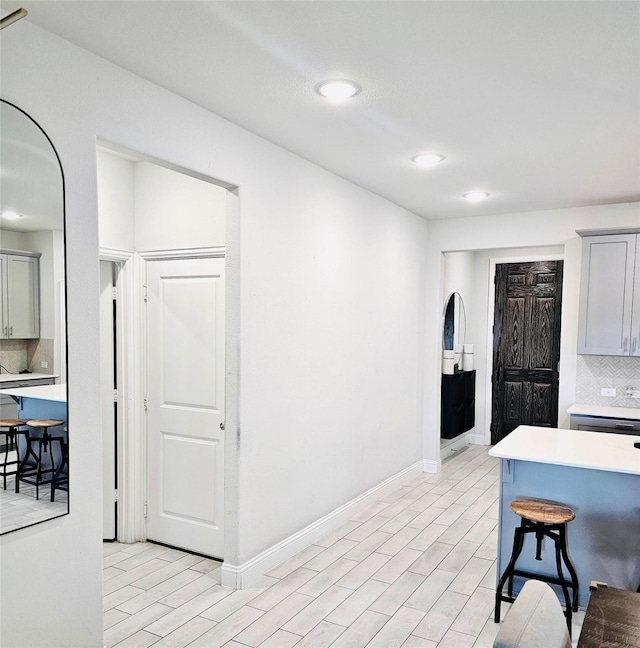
(428, 160)
(338, 90)
(10, 215)
(475, 196)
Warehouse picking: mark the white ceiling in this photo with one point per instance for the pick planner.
(536, 102)
(30, 177)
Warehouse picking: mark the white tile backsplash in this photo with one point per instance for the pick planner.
(13, 355)
(595, 372)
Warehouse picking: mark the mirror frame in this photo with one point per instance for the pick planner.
(66, 308)
(448, 304)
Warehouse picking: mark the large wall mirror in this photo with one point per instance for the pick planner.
(34, 434)
(454, 323)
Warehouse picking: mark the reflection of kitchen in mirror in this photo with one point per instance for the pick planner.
(458, 374)
(33, 396)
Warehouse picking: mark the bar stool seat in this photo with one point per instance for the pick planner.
(9, 454)
(544, 519)
(33, 472)
(542, 511)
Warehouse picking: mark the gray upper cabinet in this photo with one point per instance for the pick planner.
(20, 296)
(609, 320)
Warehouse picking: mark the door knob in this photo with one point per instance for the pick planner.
(222, 425)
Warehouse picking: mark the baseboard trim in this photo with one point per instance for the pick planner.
(430, 466)
(477, 439)
(240, 576)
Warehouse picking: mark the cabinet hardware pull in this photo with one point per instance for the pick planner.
(633, 345)
(11, 331)
(625, 345)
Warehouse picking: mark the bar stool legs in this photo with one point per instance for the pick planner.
(33, 472)
(9, 463)
(60, 480)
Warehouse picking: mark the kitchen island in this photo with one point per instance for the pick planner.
(40, 402)
(598, 476)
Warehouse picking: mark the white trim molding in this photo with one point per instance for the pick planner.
(430, 466)
(115, 255)
(240, 576)
(187, 253)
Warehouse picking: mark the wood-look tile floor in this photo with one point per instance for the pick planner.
(22, 509)
(414, 570)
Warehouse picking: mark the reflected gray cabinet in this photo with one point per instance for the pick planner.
(609, 320)
(20, 296)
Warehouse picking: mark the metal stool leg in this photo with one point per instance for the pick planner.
(557, 539)
(570, 567)
(518, 543)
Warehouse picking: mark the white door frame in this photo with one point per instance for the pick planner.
(129, 460)
(493, 262)
(132, 432)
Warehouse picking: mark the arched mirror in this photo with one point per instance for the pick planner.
(34, 433)
(455, 323)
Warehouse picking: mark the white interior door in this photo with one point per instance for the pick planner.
(107, 404)
(185, 396)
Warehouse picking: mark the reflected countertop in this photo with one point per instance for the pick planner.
(9, 377)
(576, 448)
(57, 393)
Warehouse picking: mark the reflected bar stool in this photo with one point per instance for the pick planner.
(544, 519)
(60, 478)
(8, 460)
(34, 473)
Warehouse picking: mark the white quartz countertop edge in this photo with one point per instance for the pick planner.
(605, 411)
(22, 377)
(575, 448)
(56, 393)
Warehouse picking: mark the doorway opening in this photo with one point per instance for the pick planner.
(526, 345)
(159, 227)
(470, 273)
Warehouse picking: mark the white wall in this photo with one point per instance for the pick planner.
(175, 211)
(116, 200)
(147, 207)
(330, 279)
(12, 240)
(535, 229)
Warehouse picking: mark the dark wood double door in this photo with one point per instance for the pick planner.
(526, 346)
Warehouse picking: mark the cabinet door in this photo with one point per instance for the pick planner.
(606, 294)
(4, 320)
(23, 297)
(635, 315)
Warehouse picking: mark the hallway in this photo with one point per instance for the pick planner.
(414, 570)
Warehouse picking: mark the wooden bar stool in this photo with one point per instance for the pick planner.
(544, 519)
(33, 472)
(9, 461)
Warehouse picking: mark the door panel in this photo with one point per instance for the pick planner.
(526, 346)
(185, 376)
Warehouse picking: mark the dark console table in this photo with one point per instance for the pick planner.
(458, 403)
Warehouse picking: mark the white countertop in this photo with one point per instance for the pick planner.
(605, 411)
(576, 448)
(56, 393)
(22, 377)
